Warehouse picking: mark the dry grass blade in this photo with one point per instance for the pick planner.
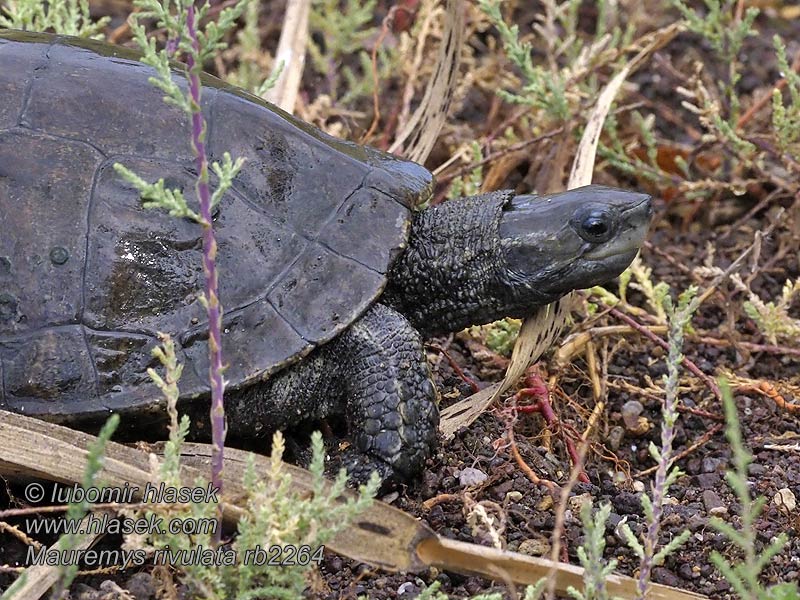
(583, 165)
(40, 578)
(539, 331)
(383, 535)
(537, 334)
(501, 565)
(417, 138)
(291, 54)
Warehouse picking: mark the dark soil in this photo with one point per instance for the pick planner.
(685, 233)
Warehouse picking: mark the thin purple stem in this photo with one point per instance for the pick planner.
(214, 309)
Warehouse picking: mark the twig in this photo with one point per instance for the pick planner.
(37, 579)
(766, 97)
(702, 440)
(558, 528)
(376, 103)
(710, 383)
(524, 466)
(291, 53)
(440, 499)
(537, 389)
(441, 179)
(750, 346)
(19, 534)
(765, 388)
(464, 377)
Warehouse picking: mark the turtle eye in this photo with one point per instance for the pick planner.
(596, 227)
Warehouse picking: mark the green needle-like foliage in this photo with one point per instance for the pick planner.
(67, 17)
(786, 117)
(597, 570)
(650, 556)
(744, 576)
(542, 88)
(77, 510)
(532, 592)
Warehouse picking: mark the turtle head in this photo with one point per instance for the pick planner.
(554, 244)
(475, 260)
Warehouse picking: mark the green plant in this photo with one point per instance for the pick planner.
(656, 294)
(195, 46)
(543, 88)
(532, 592)
(470, 184)
(773, 318)
(726, 34)
(744, 576)
(786, 118)
(76, 511)
(346, 27)
(67, 17)
(590, 553)
(276, 513)
(253, 61)
(499, 336)
(557, 87)
(626, 159)
(680, 317)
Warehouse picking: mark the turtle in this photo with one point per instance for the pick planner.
(329, 276)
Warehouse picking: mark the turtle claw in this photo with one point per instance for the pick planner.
(360, 467)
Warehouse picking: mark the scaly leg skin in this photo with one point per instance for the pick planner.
(376, 374)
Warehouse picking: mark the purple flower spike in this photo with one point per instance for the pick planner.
(214, 308)
(172, 46)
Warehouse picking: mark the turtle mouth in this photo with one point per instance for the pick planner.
(633, 226)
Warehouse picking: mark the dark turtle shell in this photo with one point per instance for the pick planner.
(88, 277)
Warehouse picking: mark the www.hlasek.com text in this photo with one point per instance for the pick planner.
(97, 523)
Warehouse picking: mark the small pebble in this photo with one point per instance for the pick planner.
(81, 591)
(615, 437)
(696, 522)
(686, 571)
(408, 589)
(708, 481)
(631, 411)
(469, 477)
(141, 587)
(785, 500)
(534, 547)
(577, 502)
(665, 577)
(638, 486)
(713, 504)
(390, 497)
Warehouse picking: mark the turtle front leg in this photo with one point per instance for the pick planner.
(391, 401)
(376, 374)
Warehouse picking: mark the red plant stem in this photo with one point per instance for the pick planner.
(213, 307)
(536, 388)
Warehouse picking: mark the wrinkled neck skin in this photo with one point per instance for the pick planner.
(451, 274)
